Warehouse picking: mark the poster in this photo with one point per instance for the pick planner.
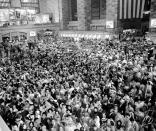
(4, 15)
(153, 23)
(110, 24)
(42, 18)
(32, 33)
(45, 18)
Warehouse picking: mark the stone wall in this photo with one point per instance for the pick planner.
(50, 7)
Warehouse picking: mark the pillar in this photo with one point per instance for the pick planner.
(112, 13)
(153, 15)
(64, 13)
(84, 14)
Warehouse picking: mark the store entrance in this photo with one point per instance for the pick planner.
(15, 36)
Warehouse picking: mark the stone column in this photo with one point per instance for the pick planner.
(153, 14)
(84, 14)
(112, 13)
(64, 13)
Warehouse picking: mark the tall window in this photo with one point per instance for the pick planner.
(147, 5)
(5, 3)
(98, 9)
(147, 8)
(74, 10)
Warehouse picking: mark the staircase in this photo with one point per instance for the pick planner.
(3, 126)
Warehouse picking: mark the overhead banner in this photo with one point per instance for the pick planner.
(153, 23)
(110, 24)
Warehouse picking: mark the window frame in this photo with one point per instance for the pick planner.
(5, 2)
(99, 15)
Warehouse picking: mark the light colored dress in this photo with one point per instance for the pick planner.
(70, 126)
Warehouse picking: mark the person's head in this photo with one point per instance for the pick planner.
(49, 120)
(50, 110)
(95, 109)
(82, 129)
(44, 128)
(116, 109)
(44, 115)
(37, 112)
(15, 127)
(31, 124)
(118, 124)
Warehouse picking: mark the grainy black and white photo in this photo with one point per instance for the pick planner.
(77, 65)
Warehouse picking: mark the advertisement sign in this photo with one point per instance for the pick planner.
(4, 15)
(42, 18)
(45, 18)
(110, 24)
(153, 23)
(32, 33)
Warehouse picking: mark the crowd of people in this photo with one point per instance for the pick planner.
(88, 85)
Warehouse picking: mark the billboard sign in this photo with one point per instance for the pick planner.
(32, 33)
(153, 23)
(109, 24)
(4, 15)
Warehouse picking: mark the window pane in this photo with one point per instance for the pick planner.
(74, 10)
(95, 9)
(98, 9)
(103, 9)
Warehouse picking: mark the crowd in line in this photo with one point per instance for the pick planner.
(90, 85)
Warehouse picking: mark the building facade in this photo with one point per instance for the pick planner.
(107, 15)
(83, 15)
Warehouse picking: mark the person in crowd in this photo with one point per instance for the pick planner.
(99, 86)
